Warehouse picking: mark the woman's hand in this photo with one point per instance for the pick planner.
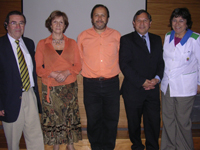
(62, 76)
(53, 74)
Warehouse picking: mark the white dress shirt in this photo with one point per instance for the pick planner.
(27, 56)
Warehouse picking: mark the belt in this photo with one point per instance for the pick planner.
(103, 79)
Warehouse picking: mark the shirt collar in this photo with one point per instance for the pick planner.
(12, 40)
(147, 35)
(101, 32)
(185, 37)
(144, 35)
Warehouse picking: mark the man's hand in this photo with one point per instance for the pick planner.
(150, 84)
(154, 81)
(2, 113)
(147, 84)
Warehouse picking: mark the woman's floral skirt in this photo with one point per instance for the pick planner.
(60, 118)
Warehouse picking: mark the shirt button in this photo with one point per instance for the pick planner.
(20, 97)
(101, 60)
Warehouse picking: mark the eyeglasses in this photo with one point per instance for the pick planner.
(178, 21)
(14, 23)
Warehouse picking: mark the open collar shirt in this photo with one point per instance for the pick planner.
(99, 53)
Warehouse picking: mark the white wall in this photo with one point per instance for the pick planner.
(78, 12)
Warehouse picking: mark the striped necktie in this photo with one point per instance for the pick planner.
(23, 68)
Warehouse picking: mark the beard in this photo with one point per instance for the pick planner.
(99, 27)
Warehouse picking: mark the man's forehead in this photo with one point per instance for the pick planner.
(100, 9)
(16, 17)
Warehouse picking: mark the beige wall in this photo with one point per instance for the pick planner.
(160, 11)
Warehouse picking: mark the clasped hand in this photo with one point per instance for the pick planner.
(2, 113)
(150, 84)
(60, 76)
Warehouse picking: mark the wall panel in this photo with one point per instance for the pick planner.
(5, 7)
(161, 12)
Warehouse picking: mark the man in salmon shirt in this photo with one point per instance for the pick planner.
(99, 51)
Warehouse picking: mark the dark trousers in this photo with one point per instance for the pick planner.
(149, 107)
(101, 100)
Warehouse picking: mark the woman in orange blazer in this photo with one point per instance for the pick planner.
(58, 63)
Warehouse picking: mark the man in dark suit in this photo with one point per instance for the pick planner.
(19, 98)
(141, 62)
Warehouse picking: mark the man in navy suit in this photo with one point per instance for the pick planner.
(19, 107)
(141, 62)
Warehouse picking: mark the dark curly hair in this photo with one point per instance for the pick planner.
(184, 13)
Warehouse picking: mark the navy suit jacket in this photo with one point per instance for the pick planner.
(10, 80)
(137, 64)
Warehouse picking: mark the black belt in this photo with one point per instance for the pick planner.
(103, 79)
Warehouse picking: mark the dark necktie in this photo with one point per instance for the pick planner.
(144, 39)
(23, 68)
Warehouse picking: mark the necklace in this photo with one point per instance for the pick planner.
(58, 41)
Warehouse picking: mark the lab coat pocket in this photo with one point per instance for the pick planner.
(189, 82)
(186, 57)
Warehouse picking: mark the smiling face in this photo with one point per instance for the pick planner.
(100, 19)
(16, 26)
(58, 25)
(142, 23)
(179, 25)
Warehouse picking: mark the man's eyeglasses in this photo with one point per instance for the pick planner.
(14, 23)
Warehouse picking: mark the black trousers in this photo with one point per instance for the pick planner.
(148, 105)
(101, 100)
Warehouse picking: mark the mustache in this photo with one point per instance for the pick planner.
(99, 22)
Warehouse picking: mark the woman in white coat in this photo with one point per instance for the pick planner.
(181, 81)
